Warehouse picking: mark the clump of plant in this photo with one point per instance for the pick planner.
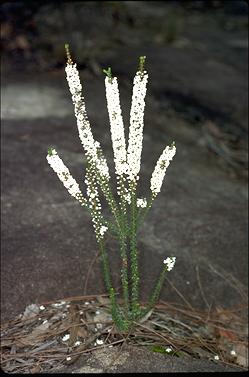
(128, 211)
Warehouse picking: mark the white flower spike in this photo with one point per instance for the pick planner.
(117, 126)
(160, 169)
(92, 147)
(136, 123)
(64, 175)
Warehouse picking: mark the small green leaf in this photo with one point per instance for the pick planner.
(108, 72)
(51, 151)
(162, 349)
(141, 63)
(159, 349)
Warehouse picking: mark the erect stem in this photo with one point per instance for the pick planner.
(107, 275)
(157, 289)
(144, 211)
(133, 251)
(123, 242)
(107, 278)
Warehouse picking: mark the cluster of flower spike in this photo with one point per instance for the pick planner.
(127, 160)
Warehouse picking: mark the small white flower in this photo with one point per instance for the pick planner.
(97, 312)
(168, 349)
(42, 307)
(233, 353)
(170, 262)
(87, 303)
(68, 358)
(66, 337)
(103, 229)
(77, 343)
(99, 325)
(99, 342)
(67, 306)
(39, 319)
(216, 357)
(142, 202)
(81, 312)
(127, 198)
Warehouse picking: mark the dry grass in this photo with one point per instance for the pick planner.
(32, 343)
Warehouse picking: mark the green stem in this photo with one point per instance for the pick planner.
(157, 289)
(144, 212)
(117, 318)
(123, 244)
(133, 251)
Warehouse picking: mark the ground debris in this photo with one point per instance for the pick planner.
(51, 336)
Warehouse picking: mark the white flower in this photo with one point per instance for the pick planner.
(103, 229)
(127, 198)
(99, 325)
(99, 342)
(160, 169)
(233, 353)
(66, 337)
(68, 358)
(168, 349)
(77, 343)
(142, 202)
(136, 124)
(65, 177)
(42, 307)
(92, 147)
(170, 262)
(216, 357)
(117, 126)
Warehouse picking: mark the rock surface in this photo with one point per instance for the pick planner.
(137, 360)
(201, 214)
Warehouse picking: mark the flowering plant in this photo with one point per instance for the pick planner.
(128, 211)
